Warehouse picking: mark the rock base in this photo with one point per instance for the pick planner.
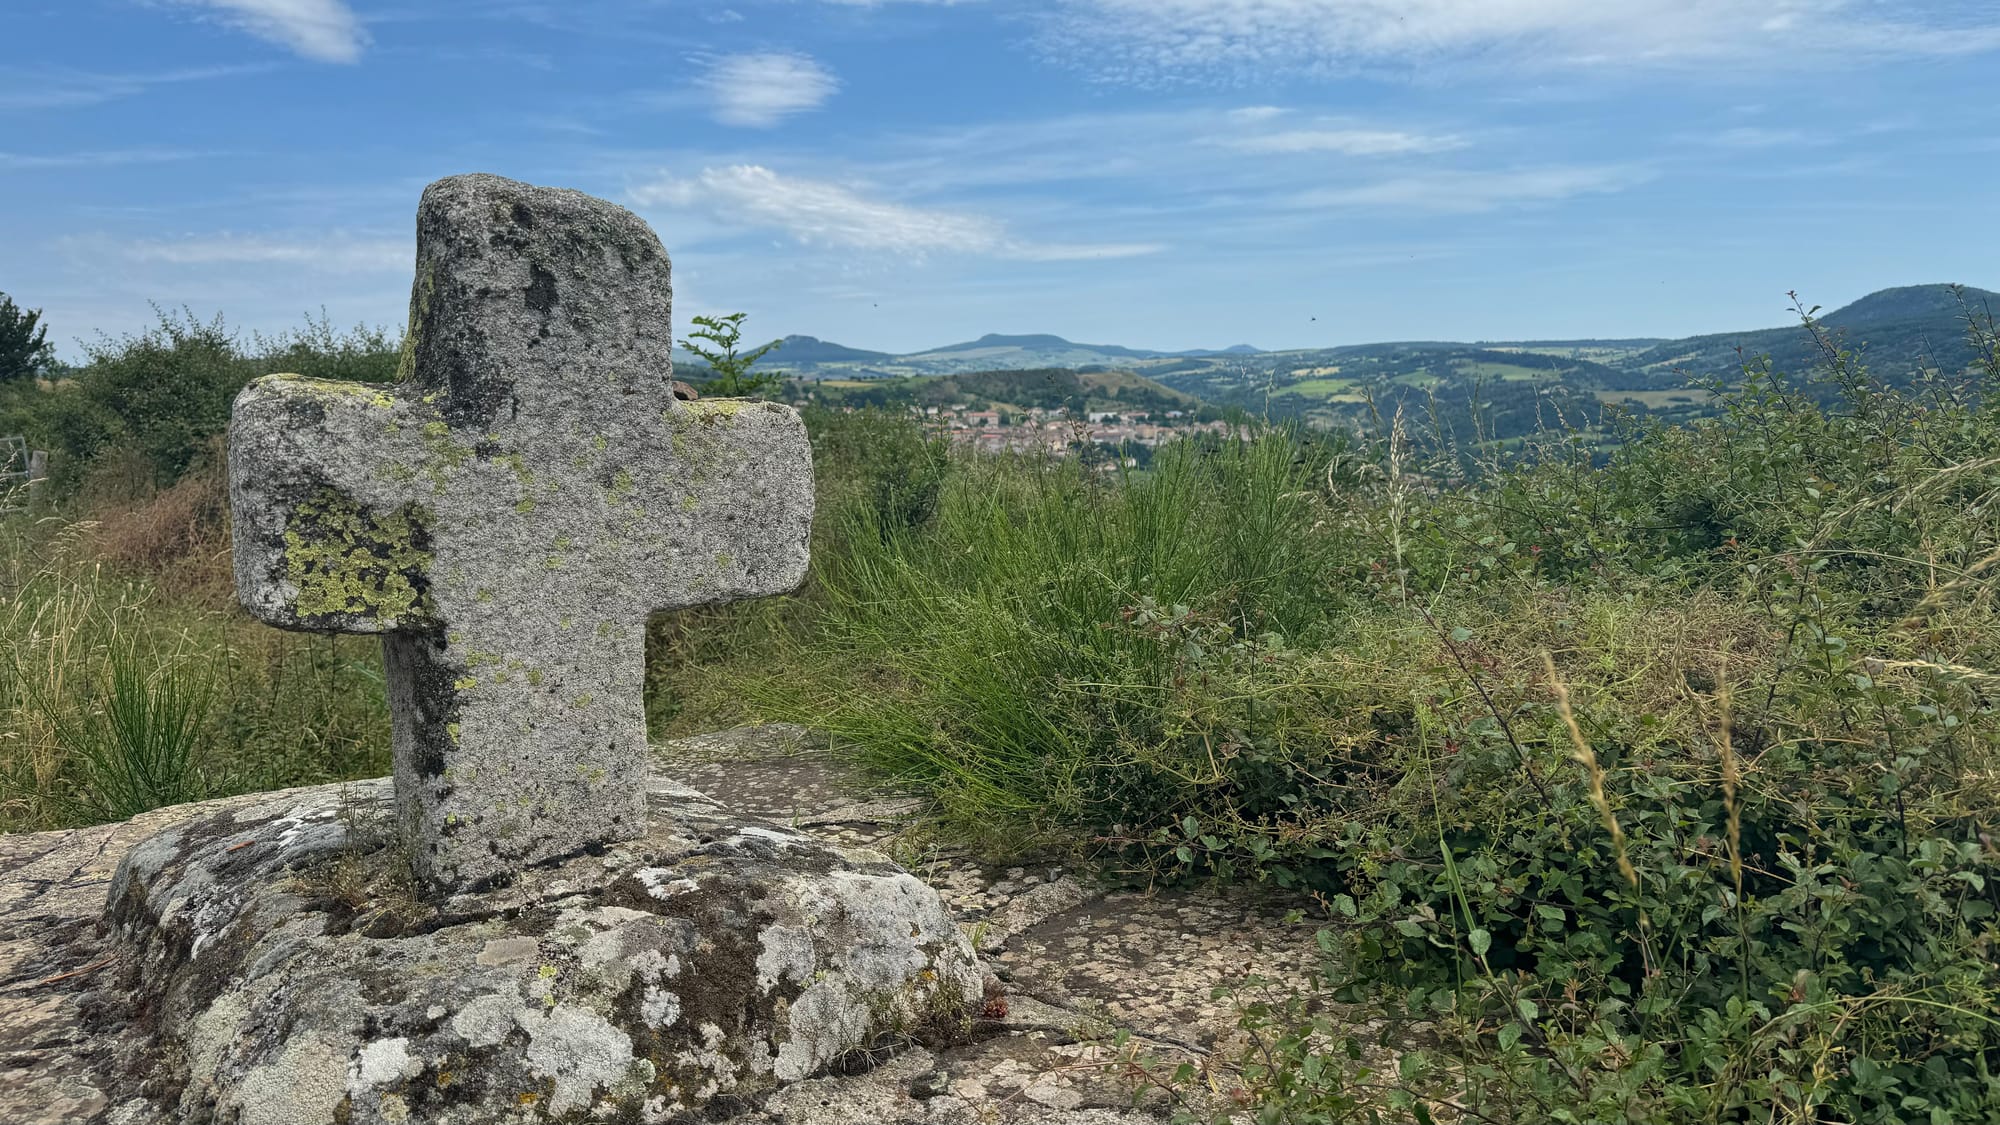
(282, 971)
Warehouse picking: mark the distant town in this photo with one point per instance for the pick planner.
(1058, 430)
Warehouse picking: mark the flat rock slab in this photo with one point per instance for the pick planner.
(1069, 978)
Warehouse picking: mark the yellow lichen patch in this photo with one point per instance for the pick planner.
(713, 410)
(519, 465)
(370, 391)
(344, 560)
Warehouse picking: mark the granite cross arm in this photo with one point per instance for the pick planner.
(508, 513)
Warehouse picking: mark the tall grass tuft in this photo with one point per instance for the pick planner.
(136, 747)
(116, 698)
(1025, 642)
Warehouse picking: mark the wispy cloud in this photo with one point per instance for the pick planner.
(103, 158)
(1754, 137)
(1464, 191)
(25, 88)
(330, 253)
(822, 213)
(1345, 142)
(1152, 39)
(323, 30)
(758, 91)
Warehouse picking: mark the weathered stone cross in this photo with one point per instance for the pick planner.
(508, 514)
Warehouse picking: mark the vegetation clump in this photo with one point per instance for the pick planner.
(1649, 782)
(1655, 785)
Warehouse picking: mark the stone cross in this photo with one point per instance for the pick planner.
(508, 513)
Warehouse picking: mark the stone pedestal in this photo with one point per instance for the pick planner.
(284, 971)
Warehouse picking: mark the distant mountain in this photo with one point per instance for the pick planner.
(1912, 302)
(800, 350)
(1034, 347)
(1896, 332)
(1499, 388)
(812, 358)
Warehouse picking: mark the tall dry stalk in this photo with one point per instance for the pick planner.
(1593, 772)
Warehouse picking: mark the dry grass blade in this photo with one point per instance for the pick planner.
(1593, 772)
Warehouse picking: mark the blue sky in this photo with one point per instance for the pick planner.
(901, 174)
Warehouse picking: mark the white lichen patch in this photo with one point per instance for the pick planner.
(659, 1007)
(485, 1020)
(578, 1051)
(305, 1084)
(823, 1020)
(786, 953)
(381, 1063)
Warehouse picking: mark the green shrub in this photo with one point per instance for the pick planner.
(158, 400)
(1755, 879)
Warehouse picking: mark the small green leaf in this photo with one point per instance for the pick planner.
(1481, 942)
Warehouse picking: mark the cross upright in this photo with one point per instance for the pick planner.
(508, 513)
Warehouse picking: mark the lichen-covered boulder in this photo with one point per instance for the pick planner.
(285, 972)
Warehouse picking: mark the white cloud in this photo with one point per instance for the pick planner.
(1346, 142)
(325, 30)
(330, 253)
(102, 158)
(65, 89)
(1142, 39)
(1460, 191)
(1751, 136)
(820, 213)
(760, 90)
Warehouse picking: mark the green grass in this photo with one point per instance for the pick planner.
(1650, 780)
(1649, 783)
(1327, 389)
(117, 697)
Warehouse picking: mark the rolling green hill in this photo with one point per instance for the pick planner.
(1043, 388)
(1896, 332)
(1463, 391)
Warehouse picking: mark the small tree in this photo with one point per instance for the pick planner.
(733, 377)
(24, 345)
